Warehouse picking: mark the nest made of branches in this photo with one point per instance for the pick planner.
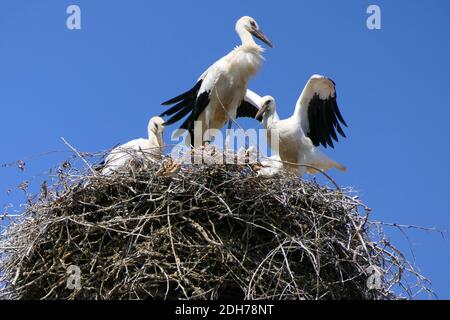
(204, 232)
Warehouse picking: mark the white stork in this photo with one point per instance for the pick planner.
(315, 121)
(138, 149)
(218, 93)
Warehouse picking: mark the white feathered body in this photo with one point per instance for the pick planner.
(295, 147)
(139, 149)
(228, 80)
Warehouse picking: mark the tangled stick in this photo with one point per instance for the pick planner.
(207, 231)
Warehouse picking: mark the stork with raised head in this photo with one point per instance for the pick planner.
(150, 148)
(218, 93)
(315, 120)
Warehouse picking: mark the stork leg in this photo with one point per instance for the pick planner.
(206, 134)
(228, 135)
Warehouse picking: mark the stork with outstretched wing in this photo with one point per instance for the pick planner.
(220, 90)
(316, 121)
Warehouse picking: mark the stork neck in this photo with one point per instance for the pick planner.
(160, 142)
(270, 119)
(152, 136)
(156, 140)
(246, 36)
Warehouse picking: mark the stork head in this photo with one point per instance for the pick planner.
(267, 108)
(156, 129)
(156, 125)
(250, 25)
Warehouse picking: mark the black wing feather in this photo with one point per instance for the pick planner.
(188, 101)
(179, 106)
(338, 113)
(316, 132)
(178, 116)
(341, 132)
(333, 121)
(190, 94)
(200, 105)
(246, 110)
(324, 119)
(321, 126)
(327, 125)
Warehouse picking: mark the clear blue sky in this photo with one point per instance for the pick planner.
(99, 85)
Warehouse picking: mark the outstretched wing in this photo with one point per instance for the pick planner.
(185, 103)
(320, 114)
(195, 100)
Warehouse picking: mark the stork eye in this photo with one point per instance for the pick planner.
(253, 23)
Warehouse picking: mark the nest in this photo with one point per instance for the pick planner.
(203, 232)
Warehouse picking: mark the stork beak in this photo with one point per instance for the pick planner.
(160, 139)
(262, 37)
(259, 114)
